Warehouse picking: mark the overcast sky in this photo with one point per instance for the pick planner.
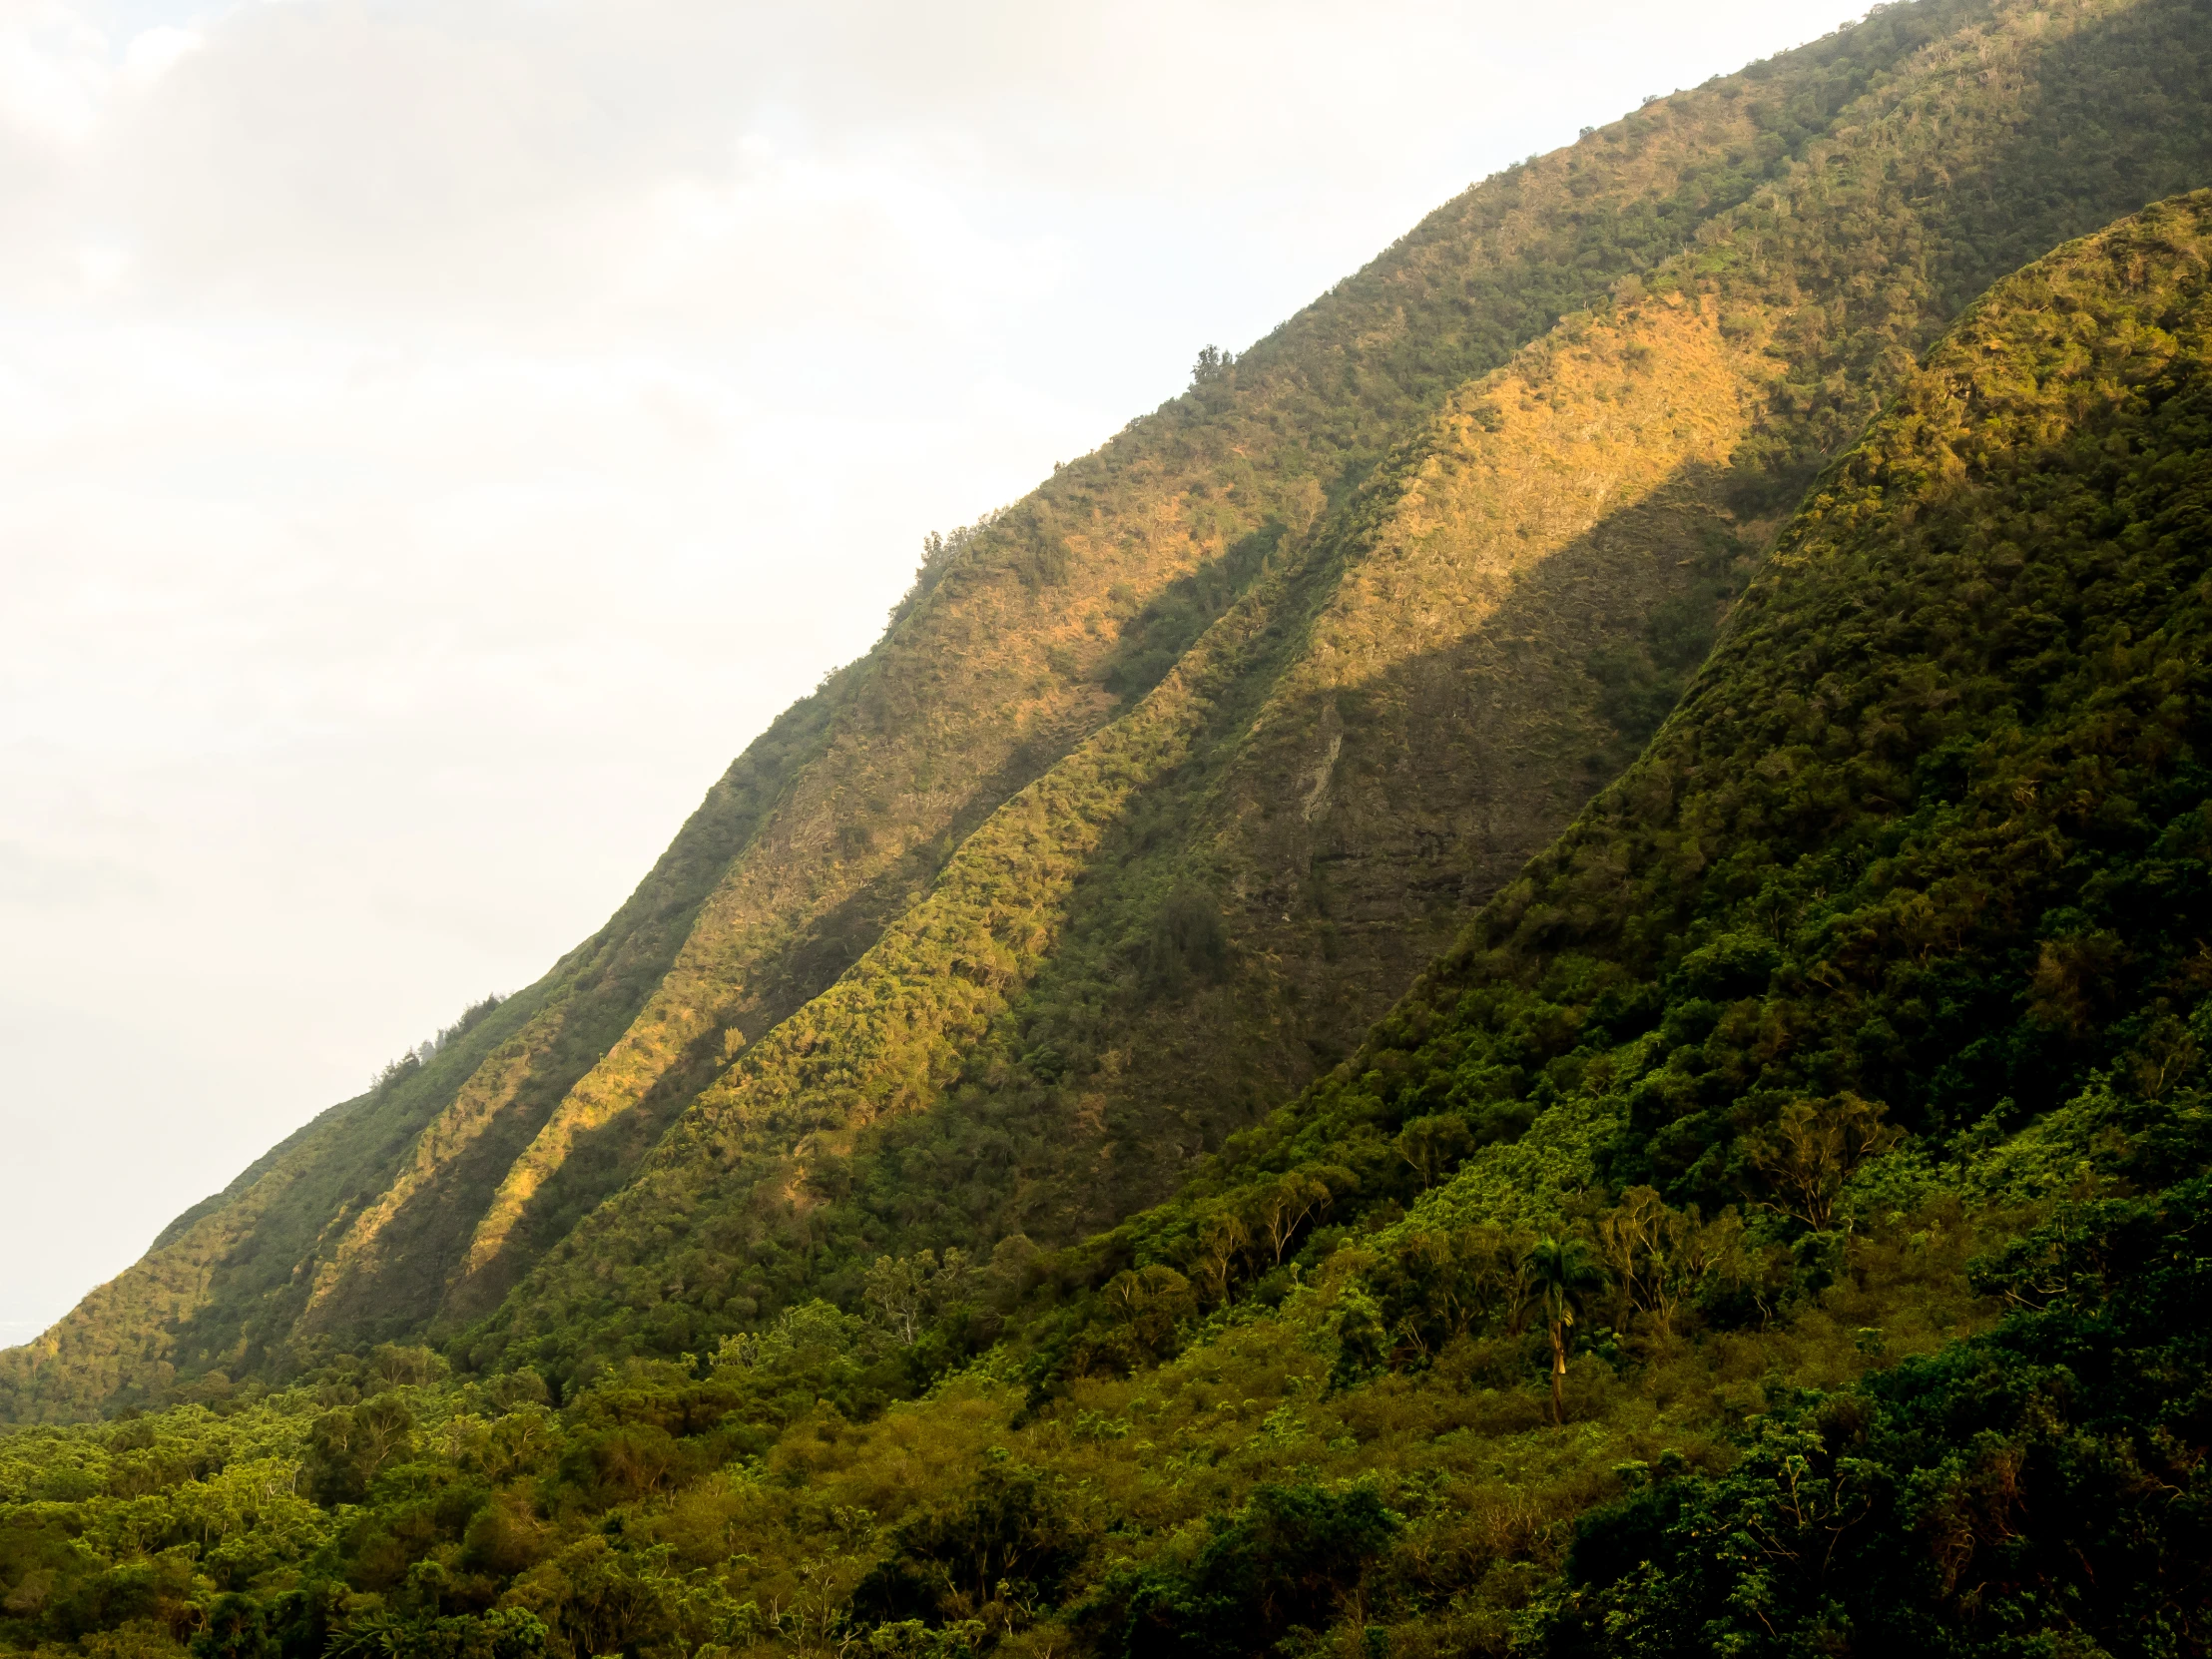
(434, 439)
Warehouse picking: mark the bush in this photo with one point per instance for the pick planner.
(1285, 1561)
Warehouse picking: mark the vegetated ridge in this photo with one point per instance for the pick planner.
(1166, 781)
(1368, 740)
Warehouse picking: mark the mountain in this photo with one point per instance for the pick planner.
(1780, 1225)
(1165, 782)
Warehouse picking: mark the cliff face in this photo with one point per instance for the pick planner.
(1165, 782)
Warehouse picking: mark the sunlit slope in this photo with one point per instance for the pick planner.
(1025, 637)
(1163, 786)
(1388, 721)
(1029, 635)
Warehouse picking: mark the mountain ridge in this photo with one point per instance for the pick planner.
(684, 1245)
(1780, 1225)
(1174, 1007)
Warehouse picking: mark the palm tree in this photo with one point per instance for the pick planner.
(1557, 1276)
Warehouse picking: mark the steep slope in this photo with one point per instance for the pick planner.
(1417, 699)
(1038, 625)
(1941, 783)
(1022, 929)
(1508, 629)
(1928, 835)
(1017, 637)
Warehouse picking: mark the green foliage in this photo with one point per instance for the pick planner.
(1001, 1551)
(1281, 1564)
(347, 1448)
(1895, 864)
(1187, 944)
(1557, 1279)
(503, 1633)
(2039, 1490)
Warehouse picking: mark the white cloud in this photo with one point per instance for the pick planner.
(435, 437)
(53, 72)
(154, 52)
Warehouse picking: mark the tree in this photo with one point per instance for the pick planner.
(1222, 1238)
(1188, 942)
(234, 1628)
(1286, 1205)
(1150, 1301)
(1558, 1278)
(1658, 1255)
(1290, 1558)
(347, 1447)
(1431, 1146)
(996, 1553)
(1812, 1150)
(902, 1291)
(1435, 1286)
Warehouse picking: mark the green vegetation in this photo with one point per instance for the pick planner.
(1008, 1062)
(1923, 842)
(2015, 1493)
(1165, 782)
(1781, 1226)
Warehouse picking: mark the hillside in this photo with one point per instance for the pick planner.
(1165, 782)
(1778, 1227)
(1369, 742)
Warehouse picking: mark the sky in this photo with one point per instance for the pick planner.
(436, 438)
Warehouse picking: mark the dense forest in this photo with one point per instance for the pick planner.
(1565, 1009)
